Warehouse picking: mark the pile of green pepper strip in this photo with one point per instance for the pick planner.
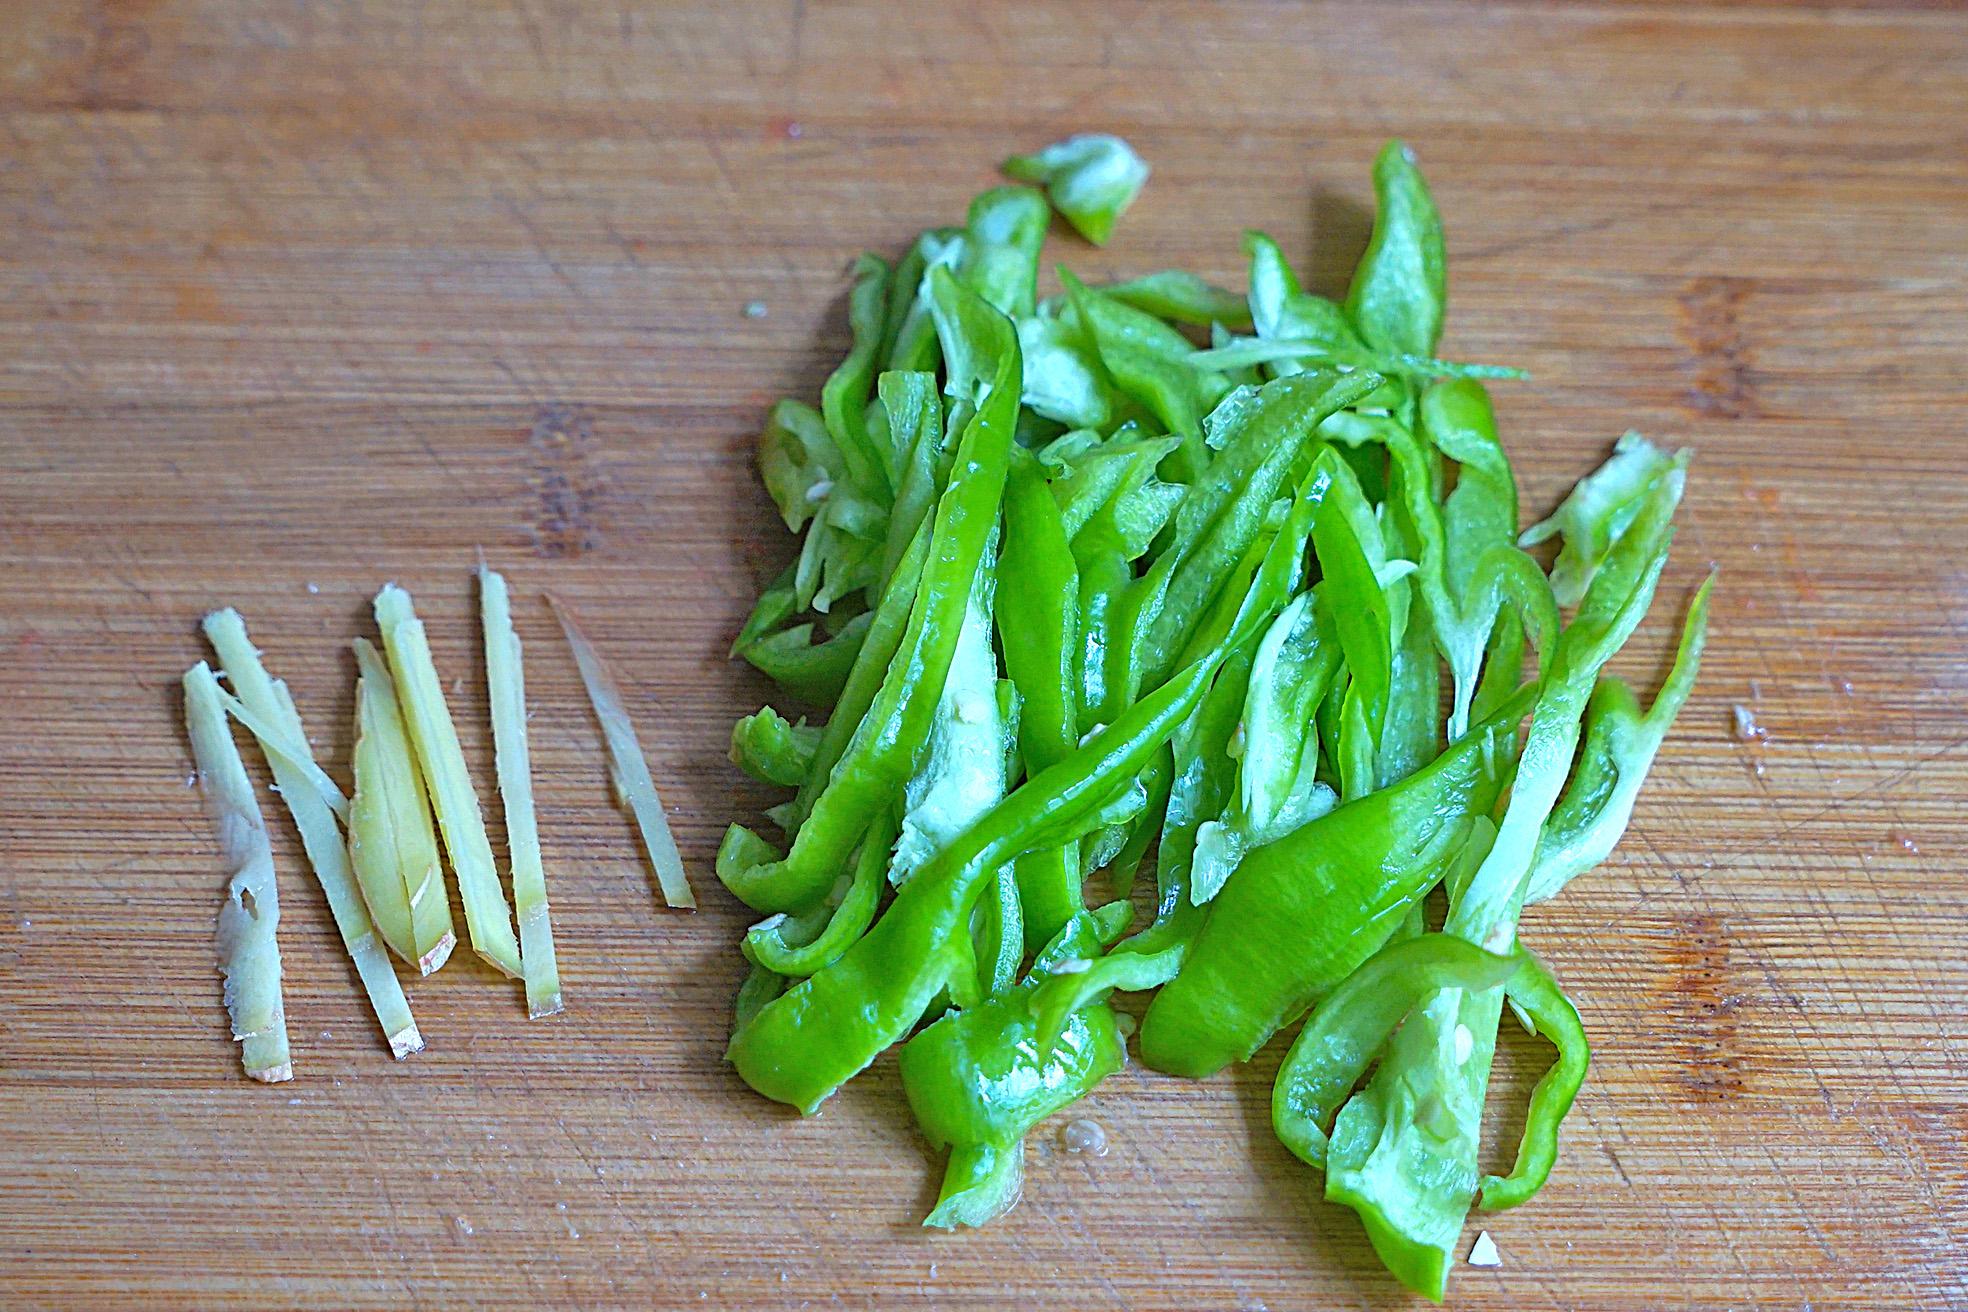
(1153, 566)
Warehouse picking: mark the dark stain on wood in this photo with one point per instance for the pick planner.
(1711, 326)
(1705, 1009)
(566, 483)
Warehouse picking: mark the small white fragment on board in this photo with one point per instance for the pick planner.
(1484, 1251)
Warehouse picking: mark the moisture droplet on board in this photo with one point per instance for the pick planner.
(1083, 1136)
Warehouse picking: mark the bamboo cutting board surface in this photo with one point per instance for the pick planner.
(297, 299)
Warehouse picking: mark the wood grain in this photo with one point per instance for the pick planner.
(296, 299)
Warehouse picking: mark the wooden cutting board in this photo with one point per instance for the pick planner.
(298, 299)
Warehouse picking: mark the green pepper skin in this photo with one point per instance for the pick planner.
(887, 745)
(1399, 293)
(1221, 515)
(863, 680)
(1351, 1024)
(808, 670)
(1181, 297)
(1620, 744)
(772, 749)
(1298, 916)
(1545, 1009)
(1404, 1149)
(1039, 593)
(1091, 179)
(770, 944)
(979, 1079)
(844, 397)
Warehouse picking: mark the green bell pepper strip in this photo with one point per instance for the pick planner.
(805, 1044)
(863, 681)
(799, 461)
(759, 987)
(1367, 597)
(961, 772)
(1597, 512)
(1412, 734)
(1105, 578)
(1467, 569)
(1351, 1024)
(1090, 179)
(1003, 232)
(1181, 297)
(1301, 914)
(1202, 780)
(769, 944)
(1404, 1149)
(775, 605)
(874, 468)
(1281, 311)
(1116, 480)
(1277, 789)
(1223, 511)
(1064, 379)
(978, 1082)
(1150, 361)
(1545, 1009)
(1619, 748)
(915, 426)
(1306, 352)
(1399, 293)
(810, 671)
(772, 749)
(1137, 830)
(1611, 609)
(910, 333)
(998, 934)
(841, 550)
(888, 742)
(1039, 591)
(1129, 653)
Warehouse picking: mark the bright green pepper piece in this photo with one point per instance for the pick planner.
(1597, 512)
(1277, 786)
(915, 425)
(1223, 511)
(1038, 627)
(1150, 361)
(961, 773)
(770, 944)
(978, 1080)
(888, 743)
(1300, 915)
(1368, 597)
(811, 671)
(910, 334)
(772, 749)
(1181, 297)
(1090, 179)
(1064, 379)
(874, 468)
(1620, 745)
(1404, 1149)
(1399, 294)
(1000, 259)
(1544, 1009)
(1351, 1024)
